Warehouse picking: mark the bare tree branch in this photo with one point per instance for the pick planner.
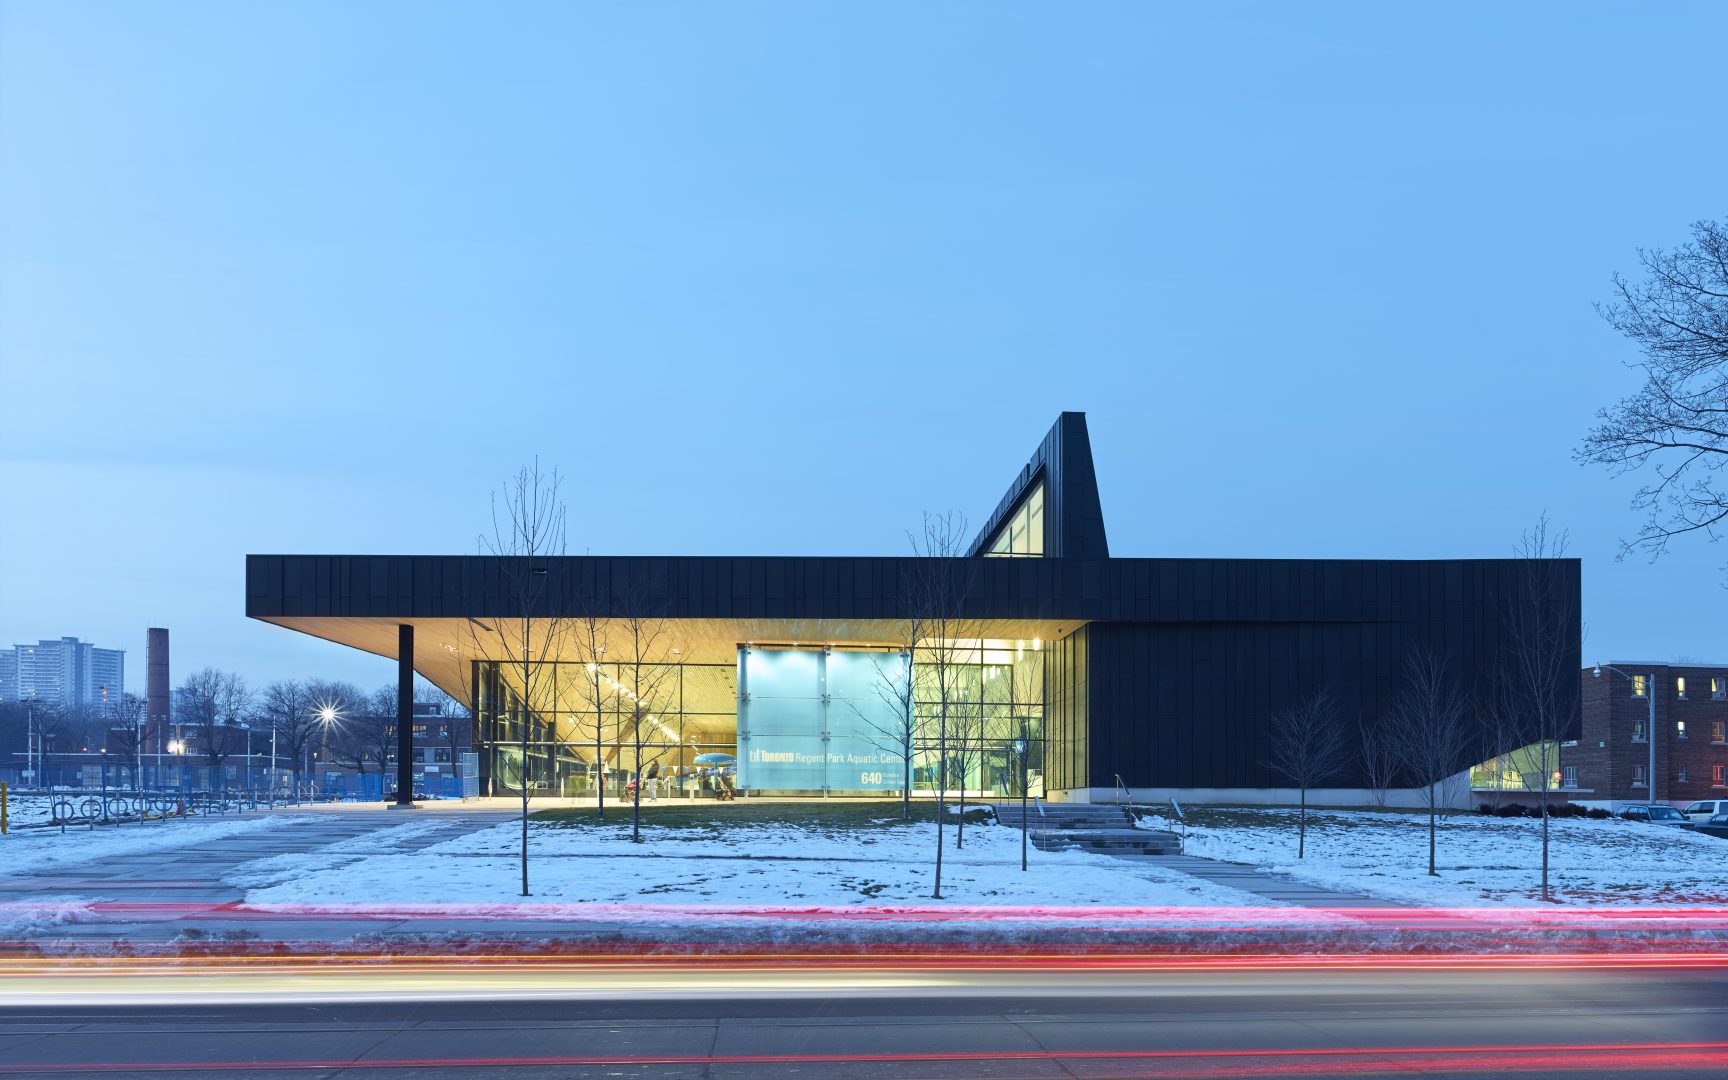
(1678, 420)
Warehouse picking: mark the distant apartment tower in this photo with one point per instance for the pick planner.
(156, 690)
(67, 672)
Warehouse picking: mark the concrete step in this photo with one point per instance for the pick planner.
(1122, 847)
(1099, 828)
(1108, 841)
(1114, 817)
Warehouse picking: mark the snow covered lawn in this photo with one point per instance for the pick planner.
(24, 810)
(25, 851)
(1481, 859)
(747, 862)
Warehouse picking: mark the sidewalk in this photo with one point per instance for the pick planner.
(1273, 887)
(158, 895)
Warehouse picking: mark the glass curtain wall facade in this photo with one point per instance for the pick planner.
(609, 724)
(976, 699)
(781, 721)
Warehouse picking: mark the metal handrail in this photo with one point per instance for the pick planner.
(1176, 808)
(1039, 802)
(1124, 798)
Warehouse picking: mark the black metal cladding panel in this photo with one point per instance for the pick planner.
(1187, 700)
(1446, 596)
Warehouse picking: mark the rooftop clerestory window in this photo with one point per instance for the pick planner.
(1023, 533)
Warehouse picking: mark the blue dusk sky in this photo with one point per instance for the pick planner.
(776, 278)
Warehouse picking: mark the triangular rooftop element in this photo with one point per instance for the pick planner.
(1060, 477)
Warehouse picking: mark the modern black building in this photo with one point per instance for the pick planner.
(1162, 674)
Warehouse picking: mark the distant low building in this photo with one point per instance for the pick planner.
(1610, 761)
(439, 742)
(68, 673)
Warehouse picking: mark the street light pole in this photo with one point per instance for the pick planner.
(1649, 727)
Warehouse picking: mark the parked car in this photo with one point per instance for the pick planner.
(1705, 809)
(1658, 814)
(1716, 826)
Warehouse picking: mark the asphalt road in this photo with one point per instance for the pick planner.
(833, 1024)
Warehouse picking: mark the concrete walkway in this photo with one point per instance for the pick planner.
(159, 895)
(1274, 887)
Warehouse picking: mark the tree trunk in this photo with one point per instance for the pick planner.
(636, 792)
(599, 749)
(1545, 895)
(1302, 825)
(960, 826)
(941, 794)
(906, 780)
(1432, 827)
(522, 771)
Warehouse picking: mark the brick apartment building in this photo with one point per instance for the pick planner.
(1609, 762)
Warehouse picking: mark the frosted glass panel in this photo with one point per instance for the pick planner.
(863, 675)
(794, 738)
(783, 673)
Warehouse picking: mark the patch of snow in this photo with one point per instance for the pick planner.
(745, 864)
(26, 810)
(32, 850)
(1480, 859)
(23, 918)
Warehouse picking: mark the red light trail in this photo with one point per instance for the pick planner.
(1172, 1063)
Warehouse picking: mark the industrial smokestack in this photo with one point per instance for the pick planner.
(156, 690)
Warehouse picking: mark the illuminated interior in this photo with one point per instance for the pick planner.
(1023, 532)
(763, 707)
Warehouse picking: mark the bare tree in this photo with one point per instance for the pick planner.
(333, 705)
(286, 708)
(1677, 422)
(969, 720)
(590, 693)
(1432, 731)
(213, 704)
(648, 686)
(1539, 683)
(1308, 748)
(126, 731)
(529, 523)
(366, 736)
(1379, 758)
(894, 727)
(939, 585)
(57, 728)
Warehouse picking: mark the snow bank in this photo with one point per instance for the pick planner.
(21, 919)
